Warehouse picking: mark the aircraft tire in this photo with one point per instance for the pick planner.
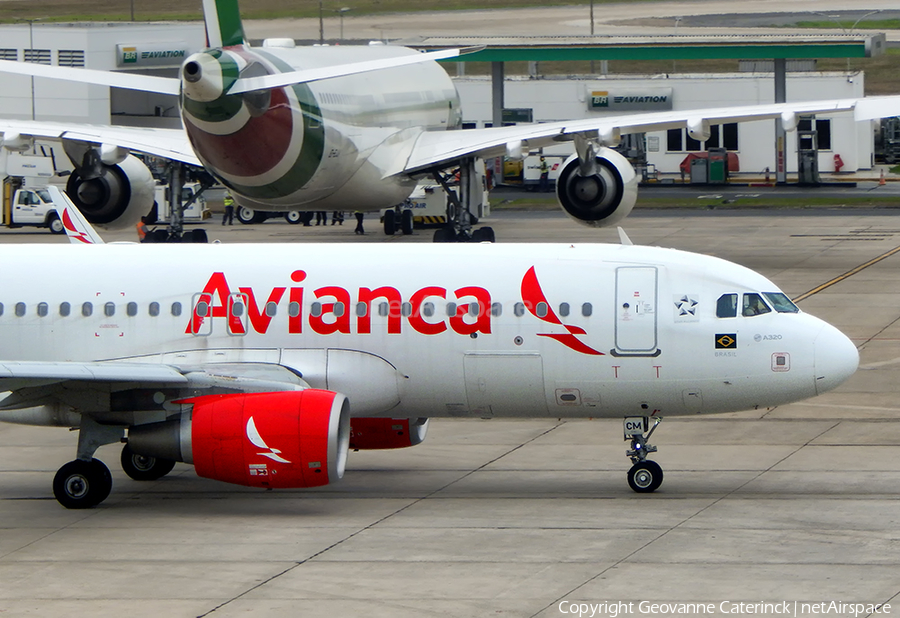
(293, 217)
(645, 476)
(406, 222)
(484, 234)
(445, 234)
(143, 467)
(390, 222)
(82, 484)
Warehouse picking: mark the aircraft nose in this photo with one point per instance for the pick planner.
(836, 358)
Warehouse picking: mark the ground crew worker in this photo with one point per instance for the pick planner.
(228, 202)
(545, 176)
(359, 222)
(142, 229)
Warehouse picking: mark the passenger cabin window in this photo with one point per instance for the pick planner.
(726, 306)
(176, 309)
(564, 309)
(20, 309)
(131, 309)
(153, 309)
(781, 303)
(109, 309)
(496, 310)
(43, 309)
(587, 309)
(87, 309)
(519, 310)
(65, 309)
(753, 304)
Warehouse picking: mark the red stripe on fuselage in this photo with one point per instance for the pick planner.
(254, 149)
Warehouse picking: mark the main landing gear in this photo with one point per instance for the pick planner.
(86, 482)
(644, 476)
(459, 207)
(402, 214)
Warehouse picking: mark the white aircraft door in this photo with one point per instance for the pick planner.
(499, 384)
(636, 310)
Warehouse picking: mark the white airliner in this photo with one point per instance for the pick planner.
(266, 375)
(347, 127)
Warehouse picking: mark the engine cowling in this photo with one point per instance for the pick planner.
(281, 439)
(117, 197)
(385, 433)
(601, 199)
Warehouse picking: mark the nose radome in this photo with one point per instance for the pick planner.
(836, 358)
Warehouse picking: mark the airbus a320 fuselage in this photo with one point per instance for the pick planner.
(329, 347)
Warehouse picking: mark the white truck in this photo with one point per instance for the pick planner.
(197, 211)
(25, 198)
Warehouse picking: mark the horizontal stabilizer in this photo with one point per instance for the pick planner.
(265, 82)
(144, 83)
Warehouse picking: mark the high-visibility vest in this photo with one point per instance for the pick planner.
(228, 201)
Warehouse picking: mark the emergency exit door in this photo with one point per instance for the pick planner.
(636, 309)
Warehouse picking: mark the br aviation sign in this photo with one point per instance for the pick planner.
(622, 100)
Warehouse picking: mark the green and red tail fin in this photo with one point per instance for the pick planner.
(223, 23)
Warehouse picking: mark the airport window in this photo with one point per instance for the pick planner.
(9, 54)
(43, 309)
(38, 56)
(451, 309)
(362, 309)
(587, 309)
(109, 309)
(176, 309)
(65, 309)
(519, 310)
(153, 309)
(720, 136)
(465, 125)
(823, 133)
(753, 304)
(541, 310)
(87, 309)
(428, 309)
(131, 309)
(564, 309)
(272, 309)
(406, 310)
(293, 309)
(315, 310)
(781, 303)
(70, 57)
(496, 310)
(674, 141)
(726, 306)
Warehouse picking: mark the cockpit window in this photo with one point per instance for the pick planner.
(726, 306)
(781, 303)
(754, 305)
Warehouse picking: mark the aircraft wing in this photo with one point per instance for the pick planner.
(166, 143)
(436, 149)
(76, 226)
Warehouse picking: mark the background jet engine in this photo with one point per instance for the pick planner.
(115, 196)
(602, 198)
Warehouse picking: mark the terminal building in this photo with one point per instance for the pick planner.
(543, 99)
(159, 48)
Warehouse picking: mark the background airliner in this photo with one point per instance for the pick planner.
(267, 376)
(346, 128)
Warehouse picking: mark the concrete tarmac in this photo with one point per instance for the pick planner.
(518, 518)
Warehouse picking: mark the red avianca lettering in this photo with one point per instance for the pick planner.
(331, 311)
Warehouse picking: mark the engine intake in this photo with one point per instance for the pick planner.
(600, 199)
(282, 439)
(112, 195)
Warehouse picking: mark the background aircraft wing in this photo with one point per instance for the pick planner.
(77, 228)
(435, 149)
(166, 143)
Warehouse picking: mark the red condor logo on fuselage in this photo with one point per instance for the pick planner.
(472, 313)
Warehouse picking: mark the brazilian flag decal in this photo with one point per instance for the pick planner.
(727, 341)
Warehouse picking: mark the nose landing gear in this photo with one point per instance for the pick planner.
(645, 475)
